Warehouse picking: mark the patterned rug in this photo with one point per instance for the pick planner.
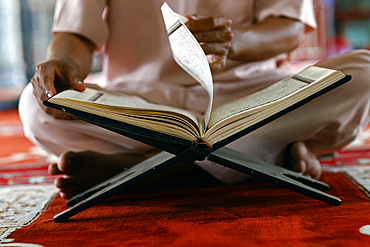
(354, 161)
(196, 214)
(26, 188)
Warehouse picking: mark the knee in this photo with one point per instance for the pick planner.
(357, 64)
(361, 56)
(29, 113)
(25, 102)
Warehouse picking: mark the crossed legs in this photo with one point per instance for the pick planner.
(89, 154)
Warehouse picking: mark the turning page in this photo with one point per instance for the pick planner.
(189, 55)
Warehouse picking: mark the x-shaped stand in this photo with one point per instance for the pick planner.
(224, 156)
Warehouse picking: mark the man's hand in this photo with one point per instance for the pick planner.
(214, 35)
(68, 62)
(53, 77)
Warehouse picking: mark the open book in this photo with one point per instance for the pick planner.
(217, 127)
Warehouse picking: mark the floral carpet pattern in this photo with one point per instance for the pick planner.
(26, 188)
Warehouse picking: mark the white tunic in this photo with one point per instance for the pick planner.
(138, 61)
(137, 55)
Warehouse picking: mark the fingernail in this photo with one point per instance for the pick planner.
(190, 17)
(81, 83)
(48, 94)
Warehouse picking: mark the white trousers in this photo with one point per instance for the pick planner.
(327, 123)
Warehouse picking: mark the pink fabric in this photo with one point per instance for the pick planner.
(138, 61)
(328, 122)
(138, 58)
(298, 10)
(72, 16)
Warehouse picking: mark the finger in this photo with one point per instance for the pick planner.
(57, 114)
(68, 76)
(216, 48)
(43, 82)
(190, 17)
(78, 85)
(52, 77)
(41, 94)
(208, 23)
(218, 63)
(215, 35)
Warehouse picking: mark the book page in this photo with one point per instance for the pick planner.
(270, 94)
(93, 96)
(188, 53)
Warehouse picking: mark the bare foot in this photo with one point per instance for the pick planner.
(301, 160)
(82, 170)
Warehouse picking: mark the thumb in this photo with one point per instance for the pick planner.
(78, 84)
(75, 79)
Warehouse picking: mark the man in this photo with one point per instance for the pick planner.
(245, 40)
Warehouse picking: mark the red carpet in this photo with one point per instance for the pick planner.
(255, 214)
(191, 209)
(20, 161)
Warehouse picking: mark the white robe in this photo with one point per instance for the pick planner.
(138, 61)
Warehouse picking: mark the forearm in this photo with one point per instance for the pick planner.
(76, 48)
(273, 36)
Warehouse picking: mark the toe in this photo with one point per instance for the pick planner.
(63, 183)
(314, 168)
(69, 162)
(66, 195)
(299, 151)
(53, 169)
(304, 161)
(299, 166)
